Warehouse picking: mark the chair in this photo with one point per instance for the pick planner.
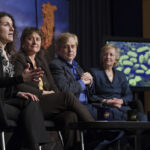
(10, 125)
(50, 126)
(5, 125)
(9, 128)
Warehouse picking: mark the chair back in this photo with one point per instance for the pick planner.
(3, 117)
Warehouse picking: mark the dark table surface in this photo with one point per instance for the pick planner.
(111, 125)
(134, 127)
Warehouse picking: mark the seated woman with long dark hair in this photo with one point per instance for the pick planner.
(19, 106)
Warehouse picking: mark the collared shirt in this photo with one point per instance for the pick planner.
(83, 95)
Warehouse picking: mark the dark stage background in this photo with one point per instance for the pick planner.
(93, 20)
(29, 13)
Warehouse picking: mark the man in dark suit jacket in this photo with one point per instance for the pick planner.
(67, 73)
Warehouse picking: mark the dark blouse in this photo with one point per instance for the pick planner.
(7, 79)
(8, 68)
(104, 89)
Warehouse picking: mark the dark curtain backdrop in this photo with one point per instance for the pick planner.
(92, 20)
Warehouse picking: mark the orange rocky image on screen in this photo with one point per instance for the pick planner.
(48, 24)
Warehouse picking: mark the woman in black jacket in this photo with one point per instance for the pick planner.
(22, 107)
(55, 104)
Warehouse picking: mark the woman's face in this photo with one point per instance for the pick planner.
(109, 57)
(6, 30)
(32, 43)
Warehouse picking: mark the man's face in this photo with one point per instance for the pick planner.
(68, 51)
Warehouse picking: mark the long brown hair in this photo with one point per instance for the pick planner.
(10, 47)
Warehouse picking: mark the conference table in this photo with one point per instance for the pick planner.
(135, 127)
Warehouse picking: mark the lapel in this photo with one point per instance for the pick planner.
(27, 59)
(38, 62)
(79, 70)
(67, 69)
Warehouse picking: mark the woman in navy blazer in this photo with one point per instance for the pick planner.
(110, 86)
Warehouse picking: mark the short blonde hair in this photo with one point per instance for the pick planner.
(106, 47)
(63, 38)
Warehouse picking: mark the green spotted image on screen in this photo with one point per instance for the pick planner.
(134, 61)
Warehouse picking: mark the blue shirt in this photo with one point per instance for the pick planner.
(83, 96)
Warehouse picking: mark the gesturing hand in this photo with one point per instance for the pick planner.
(32, 75)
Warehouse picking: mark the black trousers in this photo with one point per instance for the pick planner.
(65, 108)
(31, 130)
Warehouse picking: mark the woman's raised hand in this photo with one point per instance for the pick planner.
(32, 75)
